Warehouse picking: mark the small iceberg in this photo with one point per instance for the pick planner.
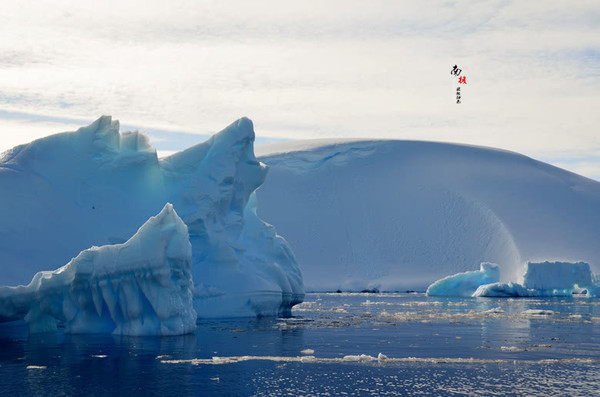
(466, 283)
(540, 279)
(141, 287)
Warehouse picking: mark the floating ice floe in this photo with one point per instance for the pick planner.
(365, 359)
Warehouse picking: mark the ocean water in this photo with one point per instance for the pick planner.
(331, 346)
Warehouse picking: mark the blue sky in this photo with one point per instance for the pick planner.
(310, 69)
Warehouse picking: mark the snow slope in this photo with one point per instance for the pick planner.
(96, 186)
(140, 287)
(401, 214)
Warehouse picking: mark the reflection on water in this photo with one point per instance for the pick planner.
(433, 346)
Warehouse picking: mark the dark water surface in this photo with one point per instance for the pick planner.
(433, 347)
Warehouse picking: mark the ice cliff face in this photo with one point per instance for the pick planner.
(141, 287)
(231, 245)
(67, 192)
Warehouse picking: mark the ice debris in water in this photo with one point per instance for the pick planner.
(538, 312)
(382, 358)
(495, 310)
(140, 287)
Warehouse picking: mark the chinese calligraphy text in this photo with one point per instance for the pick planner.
(461, 80)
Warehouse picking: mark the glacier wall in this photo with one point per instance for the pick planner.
(95, 186)
(398, 215)
(141, 287)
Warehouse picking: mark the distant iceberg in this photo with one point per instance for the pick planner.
(140, 287)
(93, 187)
(466, 283)
(547, 279)
(547, 276)
(540, 279)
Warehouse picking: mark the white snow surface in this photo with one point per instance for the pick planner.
(140, 287)
(397, 215)
(95, 186)
(466, 283)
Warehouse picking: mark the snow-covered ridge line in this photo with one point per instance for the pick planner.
(327, 145)
(95, 186)
(313, 154)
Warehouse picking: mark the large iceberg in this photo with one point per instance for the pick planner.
(140, 287)
(95, 186)
(465, 283)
